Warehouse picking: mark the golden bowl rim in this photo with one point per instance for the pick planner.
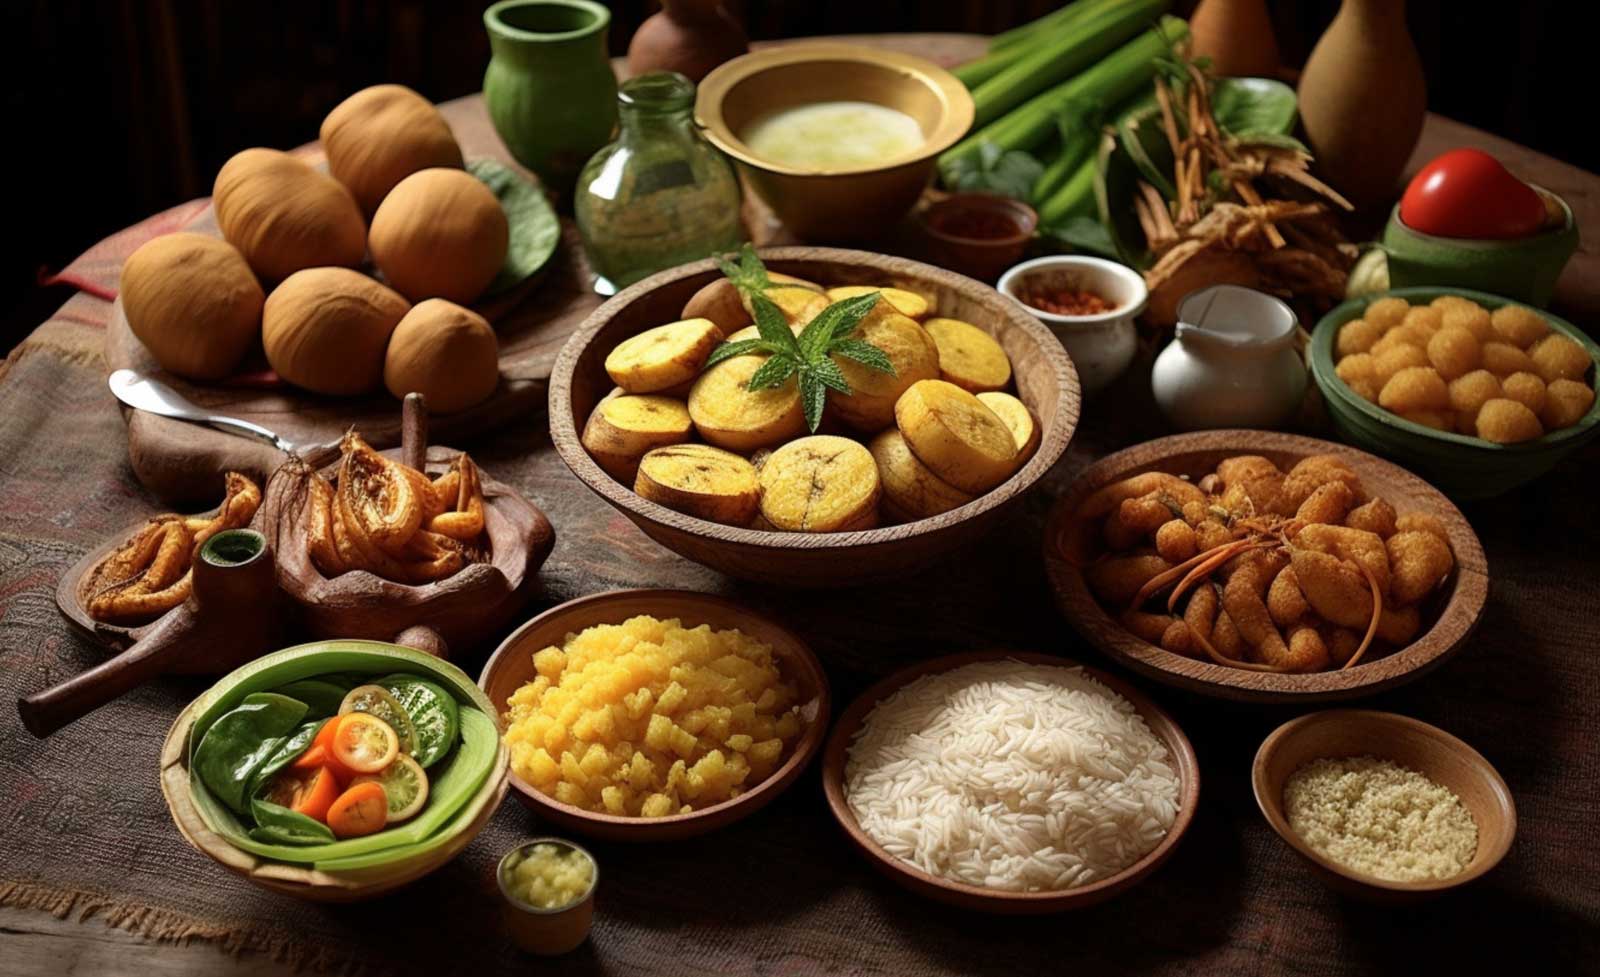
(954, 121)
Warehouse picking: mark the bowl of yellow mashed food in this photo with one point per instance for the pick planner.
(648, 715)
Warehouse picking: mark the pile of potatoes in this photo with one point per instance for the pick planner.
(284, 275)
(933, 436)
(1503, 376)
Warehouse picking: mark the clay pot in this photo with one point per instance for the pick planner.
(1362, 100)
(1237, 36)
(690, 37)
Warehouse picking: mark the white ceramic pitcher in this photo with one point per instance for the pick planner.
(1232, 362)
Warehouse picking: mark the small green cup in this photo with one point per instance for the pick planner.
(1523, 269)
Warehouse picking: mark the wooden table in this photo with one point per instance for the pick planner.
(1232, 899)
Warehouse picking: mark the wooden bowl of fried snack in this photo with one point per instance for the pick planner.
(514, 667)
(422, 602)
(1380, 605)
(904, 520)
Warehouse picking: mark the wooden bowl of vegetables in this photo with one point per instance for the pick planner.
(335, 771)
(799, 482)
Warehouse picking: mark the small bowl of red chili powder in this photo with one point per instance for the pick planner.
(1089, 304)
(978, 234)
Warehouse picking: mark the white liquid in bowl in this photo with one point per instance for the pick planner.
(833, 135)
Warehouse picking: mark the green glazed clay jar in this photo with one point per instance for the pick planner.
(549, 87)
(1462, 467)
(1523, 270)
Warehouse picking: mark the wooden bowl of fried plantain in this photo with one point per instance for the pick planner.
(1043, 376)
(1448, 615)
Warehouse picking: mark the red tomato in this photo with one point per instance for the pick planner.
(1466, 193)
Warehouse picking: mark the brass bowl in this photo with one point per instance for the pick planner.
(834, 204)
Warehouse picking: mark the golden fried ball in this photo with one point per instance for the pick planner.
(1444, 302)
(1401, 335)
(1454, 351)
(1526, 389)
(1356, 366)
(1415, 388)
(1365, 388)
(1504, 359)
(1505, 421)
(1470, 317)
(1424, 320)
(1388, 312)
(1418, 561)
(1357, 336)
(1565, 403)
(1519, 325)
(1439, 420)
(1558, 357)
(1470, 392)
(1391, 361)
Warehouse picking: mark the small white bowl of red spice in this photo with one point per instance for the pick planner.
(1089, 304)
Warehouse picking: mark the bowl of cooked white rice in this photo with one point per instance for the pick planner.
(1010, 782)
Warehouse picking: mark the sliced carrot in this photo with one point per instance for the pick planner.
(360, 810)
(308, 792)
(320, 754)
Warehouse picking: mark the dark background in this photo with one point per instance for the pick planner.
(121, 108)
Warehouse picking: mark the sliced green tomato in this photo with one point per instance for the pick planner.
(375, 699)
(364, 743)
(404, 783)
(434, 712)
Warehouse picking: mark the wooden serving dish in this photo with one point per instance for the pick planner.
(965, 896)
(305, 882)
(1043, 373)
(1429, 750)
(1458, 603)
(511, 667)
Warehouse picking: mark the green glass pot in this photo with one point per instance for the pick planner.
(1522, 269)
(549, 87)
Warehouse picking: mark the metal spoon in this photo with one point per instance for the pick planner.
(149, 394)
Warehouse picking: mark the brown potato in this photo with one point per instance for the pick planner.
(730, 415)
(1565, 403)
(1558, 357)
(969, 357)
(622, 428)
(1518, 325)
(820, 484)
(906, 303)
(701, 481)
(956, 435)
(1506, 421)
(910, 490)
(663, 357)
(869, 406)
(1025, 428)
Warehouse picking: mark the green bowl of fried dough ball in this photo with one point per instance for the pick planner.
(1476, 393)
(736, 480)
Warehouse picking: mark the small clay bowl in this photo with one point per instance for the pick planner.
(948, 228)
(1429, 750)
(511, 667)
(1101, 345)
(995, 901)
(547, 932)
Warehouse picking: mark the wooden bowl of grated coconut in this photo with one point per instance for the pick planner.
(1385, 807)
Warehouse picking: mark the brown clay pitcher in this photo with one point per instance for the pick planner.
(1237, 36)
(1363, 98)
(688, 36)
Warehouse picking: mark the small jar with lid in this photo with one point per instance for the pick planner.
(660, 195)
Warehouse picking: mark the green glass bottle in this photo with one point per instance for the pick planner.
(661, 195)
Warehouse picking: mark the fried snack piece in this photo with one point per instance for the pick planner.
(869, 406)
(1470, 392)
(1242, 597)
(1415, 388)
(1503, 359)
(1310, 473)
(1136, 519)
(910, 490)
(1419, 560)
(622, 428)
(374, 492)
(1377, 516)
(955, 435)
(820, 484)
(1565, 403)
(906, 303)
(1387, 312)
(1518, 325)
(1176, 638)
(1398, 625)
(1422, 522)
(1328, 502)
(1106, 499)
(1251, 484)
(1341, 643)
(1505, 421)
(1025, 428)
(730, 415)
(1526, 389)
(1117, 580)
(1439, 420)
(1356, 336)
(1454, 351)
(969, 357)
(1211, 533)
(1355, 545)
(1176, 541)
(660, 358)
(1307, 652)
(1360, 374)
(1147, 627)
(1559, 357)
(460, 512)
(1334, 588)
(1284, 601)
(1225, 637)
(1201, 612)
(701, 481)
(1387, 363)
